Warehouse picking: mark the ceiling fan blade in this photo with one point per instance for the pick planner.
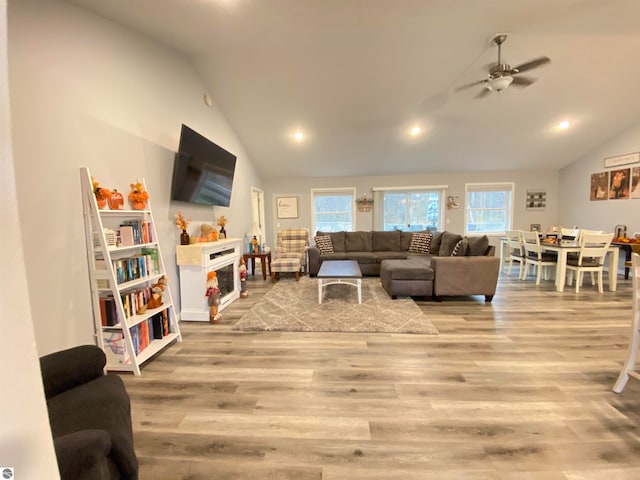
(522, 82)
(483, 93)
(531, 65)
(469, 85)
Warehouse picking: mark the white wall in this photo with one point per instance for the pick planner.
(454, 219)
(575, 182)
(87, 92)
(25, 437)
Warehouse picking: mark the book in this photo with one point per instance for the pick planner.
(126, 235)
(114, 347)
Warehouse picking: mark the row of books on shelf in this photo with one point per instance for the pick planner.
(144, 264)
(135, 232)
(132, 302)
(142, 334)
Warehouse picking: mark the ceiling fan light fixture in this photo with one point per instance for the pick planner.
(499, 83)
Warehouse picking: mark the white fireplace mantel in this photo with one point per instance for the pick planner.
(194, 262)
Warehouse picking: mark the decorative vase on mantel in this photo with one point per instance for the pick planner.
(223, 233)
(184, 238)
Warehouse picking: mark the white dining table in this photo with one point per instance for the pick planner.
(565, 247)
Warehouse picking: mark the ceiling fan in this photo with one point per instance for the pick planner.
(501, 75)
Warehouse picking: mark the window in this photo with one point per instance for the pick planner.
(333, 210)
(414, 209)
(489, 208)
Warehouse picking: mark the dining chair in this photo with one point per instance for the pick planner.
(536, 257)
(629, 366)
(569, 233)
(516, 250)
(584, 231)
(593, 250)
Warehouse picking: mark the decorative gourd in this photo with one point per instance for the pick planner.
(116, 200)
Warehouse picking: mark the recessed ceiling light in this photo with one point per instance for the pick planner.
(415, 131)
(298, 136)
(564, 124)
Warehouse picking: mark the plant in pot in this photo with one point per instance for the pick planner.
(182, 223)
(138, 196)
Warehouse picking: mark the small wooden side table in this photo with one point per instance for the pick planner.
(265, 260)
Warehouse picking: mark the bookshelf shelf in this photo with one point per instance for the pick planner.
(121, 282)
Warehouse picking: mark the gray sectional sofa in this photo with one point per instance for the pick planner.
(450, 265)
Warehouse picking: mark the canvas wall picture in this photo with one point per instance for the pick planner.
(619, 183)
(635, 182)
(599, 186)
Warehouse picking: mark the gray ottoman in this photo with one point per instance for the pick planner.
(409, 277)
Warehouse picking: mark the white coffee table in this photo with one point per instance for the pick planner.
(340, 271)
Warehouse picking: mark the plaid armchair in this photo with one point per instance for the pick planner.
(290, 254)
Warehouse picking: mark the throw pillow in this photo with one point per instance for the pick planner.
(324, 244)
(461, 248)
(477, 245)
(436, 239)
(448, 243)
(420, 242)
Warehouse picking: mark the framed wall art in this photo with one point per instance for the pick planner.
(536, 199)
(287, 207)
(599, 186)
(619, 182)
(635, 182)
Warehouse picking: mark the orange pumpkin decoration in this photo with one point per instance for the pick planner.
(116, 200)
(101, 193)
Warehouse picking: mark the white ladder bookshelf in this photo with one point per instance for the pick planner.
(121, 277)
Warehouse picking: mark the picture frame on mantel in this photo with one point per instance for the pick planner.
(287, 207)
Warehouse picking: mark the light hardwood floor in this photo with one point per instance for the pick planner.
(516, 389)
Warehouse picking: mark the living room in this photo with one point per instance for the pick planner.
(85, 91)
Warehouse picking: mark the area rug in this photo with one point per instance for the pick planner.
(292, 306)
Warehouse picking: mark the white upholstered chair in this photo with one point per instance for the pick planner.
(516, 250)
(593, 250)
(536, 257)
(291, 252)
(629, 366)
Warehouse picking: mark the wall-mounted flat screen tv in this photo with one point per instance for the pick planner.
(202, 171)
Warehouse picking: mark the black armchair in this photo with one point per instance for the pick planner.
(90, 416)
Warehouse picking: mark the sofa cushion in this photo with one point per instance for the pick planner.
(324, 244)
(337, 239)
(360, 257)
(436, 239)
(390, 255)
(408, 269)
(448, 243)
(357, 242)
(460, 250)
(386, 241)
(405, 240)
(420, 242)
(478, 245)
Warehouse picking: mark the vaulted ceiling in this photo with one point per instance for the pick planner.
(354, 76)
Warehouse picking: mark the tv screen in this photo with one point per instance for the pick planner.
(202, 171)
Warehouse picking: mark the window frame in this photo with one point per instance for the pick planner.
(441, 190)
(338, 191)
(489, 187)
